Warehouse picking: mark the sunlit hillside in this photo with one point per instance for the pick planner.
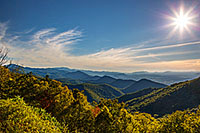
(27, 100)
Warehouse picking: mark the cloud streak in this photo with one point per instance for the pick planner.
(169, 46)
(3, 28)
(48, 48)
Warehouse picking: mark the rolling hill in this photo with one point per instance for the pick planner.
(95, 91)
(78, 75)
(130, 96)
(35, 104)
(142, 84)
(103, 80)
(121, 83)
(179, 96)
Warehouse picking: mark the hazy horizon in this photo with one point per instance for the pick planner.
(106, 70)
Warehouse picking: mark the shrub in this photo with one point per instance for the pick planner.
(17, 116)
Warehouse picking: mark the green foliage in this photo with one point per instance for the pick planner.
(165, 100)
(112, 117)
(143, 122)
(69, 111)
(78, 116)
(129, 96)
(181, 121)
(16, 116)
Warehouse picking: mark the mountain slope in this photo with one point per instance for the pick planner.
(166, 100)
(142, 84)
(104, 80)
(78, 75)
(94, 91)
(65, 81)
(129, 96)
(120, 83)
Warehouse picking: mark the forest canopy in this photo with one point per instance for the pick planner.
(29, 104)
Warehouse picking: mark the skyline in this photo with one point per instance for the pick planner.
(106, 36)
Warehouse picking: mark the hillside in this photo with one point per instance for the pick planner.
(69, 81)
(94, 91)
(103, 80)
(78, 75)
(129, 96)
(179, 96)
(120, 83)
(34, 104)
(142, 84)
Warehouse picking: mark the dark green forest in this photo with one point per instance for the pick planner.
(34, 104)
(166, 100)
(95, 92)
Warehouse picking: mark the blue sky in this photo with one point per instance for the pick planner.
(112, 35)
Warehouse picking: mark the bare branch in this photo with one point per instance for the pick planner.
(3, 55)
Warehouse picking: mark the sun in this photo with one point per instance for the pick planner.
(182, 21)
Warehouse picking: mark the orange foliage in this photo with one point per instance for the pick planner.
(96, 111)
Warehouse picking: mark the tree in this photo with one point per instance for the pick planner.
(3, 55)
(17, 116)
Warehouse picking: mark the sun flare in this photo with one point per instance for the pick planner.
(182, 21)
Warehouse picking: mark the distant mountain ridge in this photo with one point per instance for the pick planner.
(104, 80)
(78, 75)
(142, 84)
(121, 83)
(161, 77)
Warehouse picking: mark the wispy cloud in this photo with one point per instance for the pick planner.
(168, 46)
(40, 35)
(45, 47)
(3, 28)
(48, 48)
(164, 54)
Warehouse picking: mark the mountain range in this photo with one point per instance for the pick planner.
(18, 91)
(142, 95)
(95, 87)
(105, 88)
(167, 77)
(142, 84)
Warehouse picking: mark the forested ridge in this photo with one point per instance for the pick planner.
(161, 101)
(95, 92)
(32, 104)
